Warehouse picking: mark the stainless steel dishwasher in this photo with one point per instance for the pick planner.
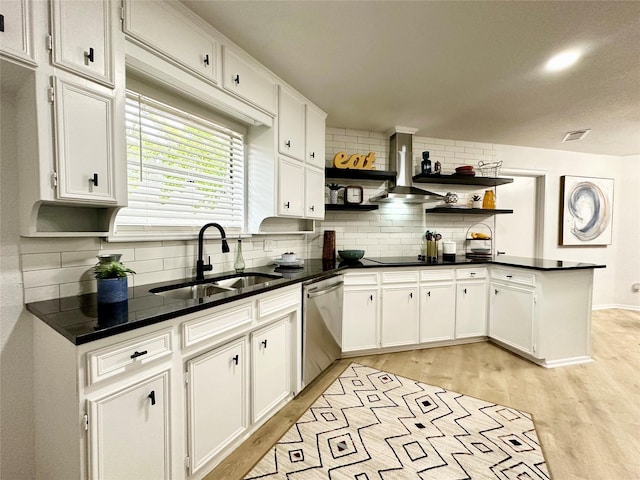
(321, 325)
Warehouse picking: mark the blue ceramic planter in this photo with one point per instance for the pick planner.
(112, 290)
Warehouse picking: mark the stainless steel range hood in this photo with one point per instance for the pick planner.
(401, 160)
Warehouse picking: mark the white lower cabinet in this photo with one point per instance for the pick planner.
(399, 316)
(360, 319)
(471, 302)
(217, 400)
(360, 311)
(437, 311)
(512, 316)
(270, 361)
(471, 309)
(130, 434)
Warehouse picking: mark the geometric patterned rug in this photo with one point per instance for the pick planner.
(376, 425)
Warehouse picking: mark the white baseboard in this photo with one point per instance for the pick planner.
(635, 308)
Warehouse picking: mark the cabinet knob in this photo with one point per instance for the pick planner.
(472, 273)
(287, 144)
(89, 55)
(495, 291)
(1, 23)
(236, 79)
(205, 60)
(500, 253)
(94, 180)
(371, 297)
(428, 293)
(264, 343)
(509, 276)
(312, 154)
(236, 359)
(287, 205)
(465, 291)
(410, 294)
(312, 208)
(152, 397)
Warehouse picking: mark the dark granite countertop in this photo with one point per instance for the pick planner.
(80, 320)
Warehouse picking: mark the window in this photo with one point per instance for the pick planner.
(183, 170)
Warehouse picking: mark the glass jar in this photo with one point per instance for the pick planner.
(489, 200)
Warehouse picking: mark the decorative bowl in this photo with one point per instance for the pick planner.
(351, 255)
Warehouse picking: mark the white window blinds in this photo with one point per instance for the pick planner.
(183, 170)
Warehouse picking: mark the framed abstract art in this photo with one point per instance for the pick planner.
(586, 210)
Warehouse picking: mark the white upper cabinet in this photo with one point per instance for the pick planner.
(167, 30)
(314, 192)
(82, 35)
(291, 130)
(15, 31)
(315, 137)
(85, 143)
(247, 81)
(290, 188)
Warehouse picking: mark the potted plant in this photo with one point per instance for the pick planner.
(111, 276)
(477, 200)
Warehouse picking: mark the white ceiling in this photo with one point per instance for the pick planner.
(466, 70)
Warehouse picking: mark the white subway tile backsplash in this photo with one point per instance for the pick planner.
(40, 261)
(37, 294)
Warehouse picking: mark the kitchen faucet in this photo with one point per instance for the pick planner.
(200, 265)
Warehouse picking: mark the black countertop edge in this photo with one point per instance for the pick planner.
(81, 320)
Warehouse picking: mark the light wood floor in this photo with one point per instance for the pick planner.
(587, 416)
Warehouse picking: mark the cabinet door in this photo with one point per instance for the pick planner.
(291, 113)
(85, 143)
(315, 138)
(437, 312)
(314, 193)
(271, 372)
(15, 38)
(360, 319)
(217, 401)
(129, 434)
(399, 316)
(471, 309)
(82, 38)
(247, 81)
(165, 29)
(512, 314)
(290, 188)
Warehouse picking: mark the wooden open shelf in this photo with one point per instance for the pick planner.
(462, 180)
(350, 173)
(343, 207)
(468, 211)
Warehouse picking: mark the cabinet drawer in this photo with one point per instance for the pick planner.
(276, 303)
(513, 276)
(203, 328)
(470, 273)
(369, 278)
(400, 277)
(437, 274)
(116, 359)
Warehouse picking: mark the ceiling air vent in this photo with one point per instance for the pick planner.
(577, 135)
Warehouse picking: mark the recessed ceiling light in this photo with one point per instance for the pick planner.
(563, 60)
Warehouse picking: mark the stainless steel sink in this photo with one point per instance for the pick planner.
(245, 280)
(213, 286)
